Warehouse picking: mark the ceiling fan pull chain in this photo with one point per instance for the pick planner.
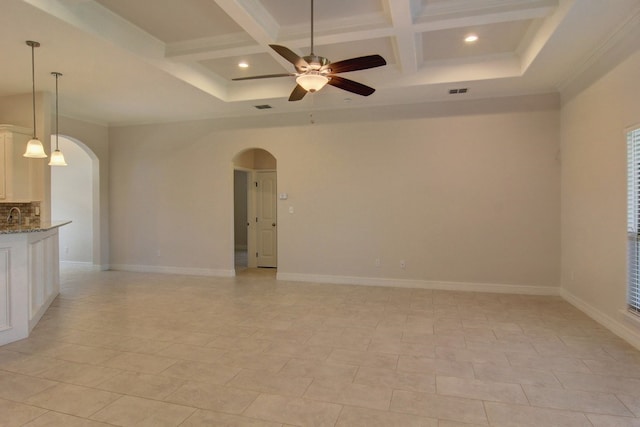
(313, 107)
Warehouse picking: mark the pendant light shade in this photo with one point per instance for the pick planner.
(34, 146)
(57, 159)
(35, 150)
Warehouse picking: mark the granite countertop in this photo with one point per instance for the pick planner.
(43, 226)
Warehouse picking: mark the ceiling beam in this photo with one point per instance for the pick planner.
(445, 15)
(253, 18)
(408, 45)
(92, 18)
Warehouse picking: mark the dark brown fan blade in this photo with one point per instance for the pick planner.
(355, 64)
(350, 86)
(297, 94)
(265, 76)
(290, 56)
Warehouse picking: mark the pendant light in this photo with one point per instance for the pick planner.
(57, 159)
(34, 146)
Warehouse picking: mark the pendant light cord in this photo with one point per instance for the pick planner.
(56, 74)
(57, 159)
(33, 88)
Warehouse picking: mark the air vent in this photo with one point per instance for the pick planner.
(263, 106)
(459, 90)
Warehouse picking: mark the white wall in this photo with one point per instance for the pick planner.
(594, 194)
(72, 199)
(467, 193)
(95, 138)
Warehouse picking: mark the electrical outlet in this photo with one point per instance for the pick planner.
(403, 264)
(377, 262)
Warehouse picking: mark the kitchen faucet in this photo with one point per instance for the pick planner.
(10, 217)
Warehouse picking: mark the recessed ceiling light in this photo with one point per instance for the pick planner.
(243, 64)
(471, 38)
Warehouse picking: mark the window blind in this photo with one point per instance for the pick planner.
(633, 220)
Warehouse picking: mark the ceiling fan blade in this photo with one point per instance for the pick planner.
(355, 64)
(265, 76)
(350, 86)
(290, 56)
(298, 93)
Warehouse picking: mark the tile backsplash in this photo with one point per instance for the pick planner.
(28, 211)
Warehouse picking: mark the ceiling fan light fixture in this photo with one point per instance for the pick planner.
(312, 81)
(313, 72)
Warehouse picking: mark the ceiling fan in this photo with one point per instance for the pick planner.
(313, 72)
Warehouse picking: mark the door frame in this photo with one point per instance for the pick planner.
(252, 228)
(249, 165)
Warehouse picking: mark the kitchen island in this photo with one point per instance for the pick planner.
(29, 276)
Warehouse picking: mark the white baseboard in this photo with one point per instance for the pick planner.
(420, 284)
(77, 265)
(174, 270)
(622, 327)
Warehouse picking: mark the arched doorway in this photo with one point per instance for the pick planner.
(255, 209)
(75, 196)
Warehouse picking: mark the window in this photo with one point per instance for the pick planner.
(633, 220)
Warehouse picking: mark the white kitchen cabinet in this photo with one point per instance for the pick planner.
(29, 277)
(16, 172)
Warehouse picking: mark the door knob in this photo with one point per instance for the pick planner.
(273, 224)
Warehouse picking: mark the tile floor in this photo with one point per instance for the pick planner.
(135, 349)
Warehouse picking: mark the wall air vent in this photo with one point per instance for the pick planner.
(263, 106)
(459, 90)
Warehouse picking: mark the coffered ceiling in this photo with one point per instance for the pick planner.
(137, 61)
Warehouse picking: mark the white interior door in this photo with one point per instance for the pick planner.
(266, 219)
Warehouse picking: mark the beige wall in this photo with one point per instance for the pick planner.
(471, 197)
(594, 194)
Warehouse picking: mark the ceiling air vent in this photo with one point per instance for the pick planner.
(263, 106)
(459, 90)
